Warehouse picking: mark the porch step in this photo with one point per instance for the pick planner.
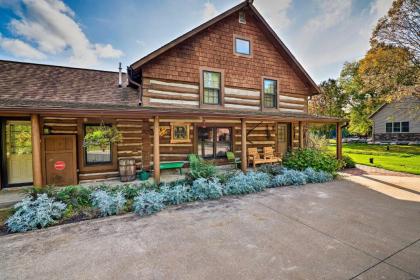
(8, 197)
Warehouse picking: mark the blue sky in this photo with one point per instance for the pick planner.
(322, 34)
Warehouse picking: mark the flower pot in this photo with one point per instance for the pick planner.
(143, 175)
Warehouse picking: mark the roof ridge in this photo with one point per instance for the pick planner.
(58, 66)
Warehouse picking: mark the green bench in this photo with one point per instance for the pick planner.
(172, 165)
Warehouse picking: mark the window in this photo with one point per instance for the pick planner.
(396, 127)
(270, 93)
(94, 154)
(242, 18)
(388, 127)
(242, 46)
(405, 127)
(214, 142)
(180, 133)
(211, 87)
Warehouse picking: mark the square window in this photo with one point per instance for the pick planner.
(388, 127)
(242, 46)
(405, 127)
(397, 127)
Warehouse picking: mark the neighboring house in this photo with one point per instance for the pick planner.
(227, 85)
(397, 122)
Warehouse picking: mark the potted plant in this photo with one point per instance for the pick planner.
(102, 136)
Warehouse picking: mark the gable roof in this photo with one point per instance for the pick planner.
(269, 31)
(38, 85)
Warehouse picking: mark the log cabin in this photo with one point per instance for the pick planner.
(228, 85)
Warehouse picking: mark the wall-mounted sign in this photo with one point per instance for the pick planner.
(180, 133)
(59, 165)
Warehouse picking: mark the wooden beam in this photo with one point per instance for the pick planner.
(301, 135)
(36, 151)
(339, 144)
(244, 163)
(156, 151)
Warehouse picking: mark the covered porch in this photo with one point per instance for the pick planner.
(212, 134)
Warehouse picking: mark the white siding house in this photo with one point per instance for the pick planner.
(397, 121)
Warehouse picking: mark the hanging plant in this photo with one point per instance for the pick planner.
(102, 136)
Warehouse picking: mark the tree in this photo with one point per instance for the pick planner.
(400, 28)
(389, 72)
(330, 102)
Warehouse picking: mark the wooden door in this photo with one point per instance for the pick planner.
(60, 160)
(282, 138)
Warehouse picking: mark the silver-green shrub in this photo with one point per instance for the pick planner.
(314, 176)
(176, 194)
(148, 202)
(108, 203)
(247, 183)
(32, 214)
(203, 189)
(288, 178)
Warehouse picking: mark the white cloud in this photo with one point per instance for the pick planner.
(380, 8)
(331, 13)
(275, 12)
(337, 33)
(209, 11)
(50, 25)
(107, 51)
(20, 49)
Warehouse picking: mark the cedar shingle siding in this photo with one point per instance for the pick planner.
(214, 48)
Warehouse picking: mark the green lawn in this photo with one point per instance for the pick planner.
(401, 158)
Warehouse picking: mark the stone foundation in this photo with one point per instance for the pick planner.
(396, 137)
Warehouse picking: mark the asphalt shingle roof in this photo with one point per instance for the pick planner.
(46, 86)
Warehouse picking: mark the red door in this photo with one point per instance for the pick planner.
(60, 160)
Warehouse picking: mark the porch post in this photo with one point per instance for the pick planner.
(36, 151)
(339, 141)
(244, 163)
(301, 135)
(156, 152)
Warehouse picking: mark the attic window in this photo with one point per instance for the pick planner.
(242, 46)
(242, 18)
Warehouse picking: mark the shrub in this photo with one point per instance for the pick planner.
(272, 169)
(108, 203)
(148, 202)
(175, 194)
(224, 177)
(200, 168)
(36, 191)
(304, 158)
(247, 183)
(288, 178)
(313, 176)
(203, 189)
(76, 196)
(348, 162)
(32, 214)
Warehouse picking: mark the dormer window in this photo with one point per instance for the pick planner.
(242, 46)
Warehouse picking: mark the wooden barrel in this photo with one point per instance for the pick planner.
(127, 169)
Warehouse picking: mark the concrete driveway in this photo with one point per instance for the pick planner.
(338, 230)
